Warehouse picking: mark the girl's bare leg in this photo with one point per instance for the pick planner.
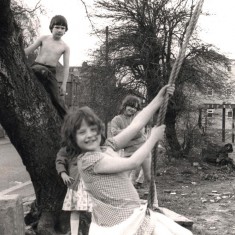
(146, 166)
(74, 222)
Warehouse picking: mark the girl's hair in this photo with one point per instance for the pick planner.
(73, 121)
(130, 100)
(58, 20)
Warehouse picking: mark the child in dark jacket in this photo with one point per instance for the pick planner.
(76, 199)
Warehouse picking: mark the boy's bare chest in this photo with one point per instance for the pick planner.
(54, 48)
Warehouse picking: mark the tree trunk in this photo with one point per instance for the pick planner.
(188, 142)
(30, 120)
(170, 120)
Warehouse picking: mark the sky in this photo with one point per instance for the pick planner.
(217, 29)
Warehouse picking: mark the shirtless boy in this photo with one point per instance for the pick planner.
(52, 47)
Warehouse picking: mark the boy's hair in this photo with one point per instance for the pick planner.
(58, 20)
(130, 100)
(73, 121)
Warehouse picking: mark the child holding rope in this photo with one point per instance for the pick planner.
(128, 110)
(116, 206)
(76, 200)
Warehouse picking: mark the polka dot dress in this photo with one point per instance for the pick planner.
(113, 196)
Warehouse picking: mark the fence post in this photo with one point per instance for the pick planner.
(11, 215)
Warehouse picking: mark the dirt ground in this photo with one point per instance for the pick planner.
(201, 192)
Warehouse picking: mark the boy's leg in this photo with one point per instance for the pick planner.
(146, 165)
(56, 99)
(134, 174)
(48, 79)
(140, 179)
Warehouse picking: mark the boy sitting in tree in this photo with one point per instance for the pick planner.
(52, 47)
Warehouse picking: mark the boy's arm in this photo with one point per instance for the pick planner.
(66, 70)
(34, 46)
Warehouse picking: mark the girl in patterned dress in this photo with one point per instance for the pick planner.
(116, 206)
(77, 199)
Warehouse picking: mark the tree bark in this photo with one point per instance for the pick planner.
(172, 140)
(30, 120)
(170, 121)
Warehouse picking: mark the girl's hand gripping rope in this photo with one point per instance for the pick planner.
(157, 133)
(168, 89)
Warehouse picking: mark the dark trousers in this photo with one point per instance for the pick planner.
(47, 76)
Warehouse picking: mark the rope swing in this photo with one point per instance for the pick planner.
(162, 112)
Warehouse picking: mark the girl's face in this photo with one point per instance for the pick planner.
(130, 111)
(87, 137)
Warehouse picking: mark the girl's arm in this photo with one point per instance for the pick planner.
(61, 161)
(142, 118)
(109, 165)
(62, 165)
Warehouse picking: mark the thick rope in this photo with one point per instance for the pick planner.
(162, 112)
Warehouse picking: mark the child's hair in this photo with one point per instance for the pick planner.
(73, 121)
(130, 100)
(58, 20)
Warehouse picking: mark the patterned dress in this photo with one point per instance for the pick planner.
(77, 200)
(116, 206)
(115, 202)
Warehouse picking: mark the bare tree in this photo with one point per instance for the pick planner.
(28, 21)
(145, 37)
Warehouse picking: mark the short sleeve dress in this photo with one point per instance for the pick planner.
(114, 198)
(76, 198)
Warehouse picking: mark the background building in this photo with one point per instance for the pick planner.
(217, 111)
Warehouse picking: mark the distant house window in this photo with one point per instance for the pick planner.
(229, 68)
(229, 92)
(209, 91)
(230, 114)
(210, 113)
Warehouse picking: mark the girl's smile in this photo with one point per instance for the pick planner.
(88, 138)
(130, 111)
